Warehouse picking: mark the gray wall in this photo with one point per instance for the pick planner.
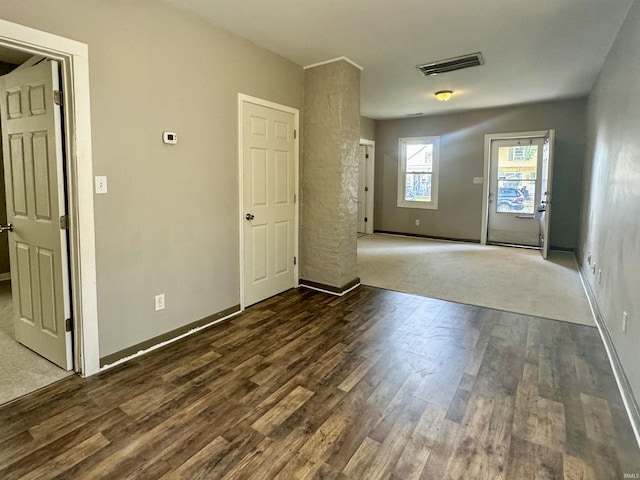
(367, 128)
(170, 220)
(459, 214)
(610, 227)
(330, 135)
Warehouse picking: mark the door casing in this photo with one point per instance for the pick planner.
(74, 63)
(371, 148)
(488, 138)
(242, 98)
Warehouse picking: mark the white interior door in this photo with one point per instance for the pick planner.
(268, 201)
(514, 191)
(546, 178)
(34, 179)
(362, 189)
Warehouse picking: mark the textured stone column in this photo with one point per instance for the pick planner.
(329, 172)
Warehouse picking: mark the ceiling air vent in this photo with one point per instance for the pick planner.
(451, 64)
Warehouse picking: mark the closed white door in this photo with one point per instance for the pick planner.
(34, 180)
(362, 189)
(268, 201)
(514, 191)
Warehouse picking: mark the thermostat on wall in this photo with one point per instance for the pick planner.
(169, 137)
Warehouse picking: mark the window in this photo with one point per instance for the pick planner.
(418, 172)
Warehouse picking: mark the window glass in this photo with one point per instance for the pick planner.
(418, 172)
(517, 167)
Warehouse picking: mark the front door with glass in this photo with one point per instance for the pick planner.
(514, 191)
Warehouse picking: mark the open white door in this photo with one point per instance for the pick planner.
(34, 179)
(269, 225)
(545, 189)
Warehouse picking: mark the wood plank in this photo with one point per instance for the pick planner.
(362, 458)
(413, 458)
(282, 410)
(527, 459)
(575, 469)
(374, 384)
(66, 460)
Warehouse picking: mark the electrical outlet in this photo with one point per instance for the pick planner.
(160, 302)
(599, 276)
(417, 222)
(101, 184)
(624, 322)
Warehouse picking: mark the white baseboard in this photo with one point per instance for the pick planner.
(628, 398)
(5, 276)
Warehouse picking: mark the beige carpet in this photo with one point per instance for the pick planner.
(505, 278)
(21, 370)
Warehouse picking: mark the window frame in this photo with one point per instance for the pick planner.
(402, 173)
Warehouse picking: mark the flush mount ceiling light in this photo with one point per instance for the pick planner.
(444, 95)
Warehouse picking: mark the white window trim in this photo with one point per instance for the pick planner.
(402, 143)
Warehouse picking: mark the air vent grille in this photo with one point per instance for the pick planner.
(451, 64)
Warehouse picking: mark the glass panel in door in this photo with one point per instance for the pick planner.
(514, 191)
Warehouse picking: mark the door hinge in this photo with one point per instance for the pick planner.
(366, 219)
(295, 261)
(64, 222)
(68, 324)
(58, 97)
(366, 189)
(366, 155)
(295, 134)
(295, 198)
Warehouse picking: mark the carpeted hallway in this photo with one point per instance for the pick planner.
(504, 278)
(21, 370)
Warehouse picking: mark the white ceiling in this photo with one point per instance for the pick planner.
(533, 50)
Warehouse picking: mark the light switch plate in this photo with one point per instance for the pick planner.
(101, 184)
(477, 180)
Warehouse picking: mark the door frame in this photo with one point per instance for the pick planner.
(371, 165)
(488, 138)
(242, 99)
(74, 66)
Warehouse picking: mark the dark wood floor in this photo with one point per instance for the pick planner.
(375, 384)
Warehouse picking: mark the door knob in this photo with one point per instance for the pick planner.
(7, 228)
(249, 216)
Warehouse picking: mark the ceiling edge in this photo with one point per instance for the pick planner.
(337, 59)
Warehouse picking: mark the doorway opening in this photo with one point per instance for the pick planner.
(35, 311)
(72, 58)
(366, 165)
(517, 189)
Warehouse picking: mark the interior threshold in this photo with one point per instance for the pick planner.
(499, 244)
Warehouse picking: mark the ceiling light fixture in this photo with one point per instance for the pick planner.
(444, 95)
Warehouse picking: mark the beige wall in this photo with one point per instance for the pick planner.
(169, 223)
(367, 128)
(459, 213)
(610, 227)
